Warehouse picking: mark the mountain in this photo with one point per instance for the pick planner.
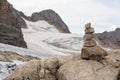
(51, 17)
(110, 39)
(9, 16)
(10, 26)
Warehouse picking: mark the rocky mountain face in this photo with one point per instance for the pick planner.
(10, 25)
(110, 39)
(51, 17)
(20, 22)
(11, 35)
(10, 16)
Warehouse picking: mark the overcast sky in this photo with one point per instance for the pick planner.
(76, 13)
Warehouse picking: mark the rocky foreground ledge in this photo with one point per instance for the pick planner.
(94, 63)
(70, 68)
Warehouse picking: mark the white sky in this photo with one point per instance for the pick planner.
(76, 13)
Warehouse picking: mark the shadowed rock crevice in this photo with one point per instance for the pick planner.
(118, 77)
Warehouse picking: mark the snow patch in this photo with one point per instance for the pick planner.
(4, 71)
(40, 39)
(113, 28)
(41, 26)
(24, 51)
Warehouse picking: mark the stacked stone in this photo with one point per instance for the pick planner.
(91, 50)
(89, 40)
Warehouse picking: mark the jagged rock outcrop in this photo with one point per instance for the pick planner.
(20, 21)
(109, 39)
(91, 50)
(10, 27)
(51, 17)
(10, 16)
(69, 68)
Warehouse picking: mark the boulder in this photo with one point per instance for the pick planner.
(93, 53)
(28, 71)
(52, 65)
(49, 69)
(86, 70)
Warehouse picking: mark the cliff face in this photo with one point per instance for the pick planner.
(110, 39)
(20, 22)
(3, 11)
(51, 17)
(10, 16)
(10, 28)
(11, 35)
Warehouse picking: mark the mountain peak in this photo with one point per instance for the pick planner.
(51, 17)
(47, 10)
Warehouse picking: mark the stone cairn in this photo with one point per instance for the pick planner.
(91, 51)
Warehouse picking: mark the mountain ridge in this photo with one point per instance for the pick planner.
(110, 39)
(51, 17)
